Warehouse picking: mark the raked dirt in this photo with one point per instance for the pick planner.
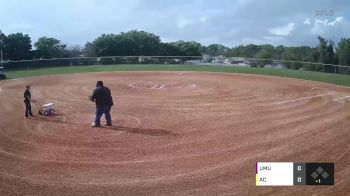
(173, 133)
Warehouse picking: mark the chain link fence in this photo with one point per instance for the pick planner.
(299, 65)
(111, 60)
(277, 64)
(190, 60)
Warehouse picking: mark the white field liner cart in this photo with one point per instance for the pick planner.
(46, 109)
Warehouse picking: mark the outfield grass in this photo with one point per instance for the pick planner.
(306, 75)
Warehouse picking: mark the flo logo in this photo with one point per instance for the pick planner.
(324, 13)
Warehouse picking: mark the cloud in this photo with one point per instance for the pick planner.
(336, 29)
(203, 19)
(21, 26)
(284, 30)
(320, 25)
(273, 38)
(307, 21)
(183, 22)
(337, 20)
(226, 22)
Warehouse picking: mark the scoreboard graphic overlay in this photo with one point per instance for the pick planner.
(290, 174)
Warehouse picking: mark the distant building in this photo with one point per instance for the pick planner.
(219, 59)
(207, 58)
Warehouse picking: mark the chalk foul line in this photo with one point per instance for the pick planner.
(303, 98)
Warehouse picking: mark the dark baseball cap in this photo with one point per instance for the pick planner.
(99, 83)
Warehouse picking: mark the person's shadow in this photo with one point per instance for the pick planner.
(152, 132)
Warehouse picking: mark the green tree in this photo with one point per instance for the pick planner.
(315, 55)
(249, 51)
(343, 52)
(168, 49)
(239, 51)
(74, 51)
(50, 48)
(188, 48)
(301, 53)
(322, 49)
(2, 43)
(127, 44)
(326, 51)
(105, 45)
(2, 36)
(217, 49)
(279, 52)
(331, 52)
(17, 46)
(143, 43)
(267, 52)
(252, 50)
(89, 50)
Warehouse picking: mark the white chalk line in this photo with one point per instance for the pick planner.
(160, 86)
(303, 98)
(132, 85)
(341, 98)
(0, 89)
(342, 154)
(338, 101)
(155, 86)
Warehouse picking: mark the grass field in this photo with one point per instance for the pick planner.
(306, 75)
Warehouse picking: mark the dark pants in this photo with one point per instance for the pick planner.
(28, 111)
(100, 110)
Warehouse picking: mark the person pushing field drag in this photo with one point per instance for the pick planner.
(27, 102)
(103, 99)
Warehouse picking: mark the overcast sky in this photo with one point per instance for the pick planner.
(229, 22)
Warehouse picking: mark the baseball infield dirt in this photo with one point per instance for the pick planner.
(173, 133)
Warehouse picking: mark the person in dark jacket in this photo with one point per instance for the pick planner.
(27, 99)
(104, 101)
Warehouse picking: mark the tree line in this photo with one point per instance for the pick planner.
(18, 46)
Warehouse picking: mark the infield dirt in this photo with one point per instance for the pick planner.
(178, 133)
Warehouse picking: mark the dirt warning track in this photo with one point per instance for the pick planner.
(174, 133)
